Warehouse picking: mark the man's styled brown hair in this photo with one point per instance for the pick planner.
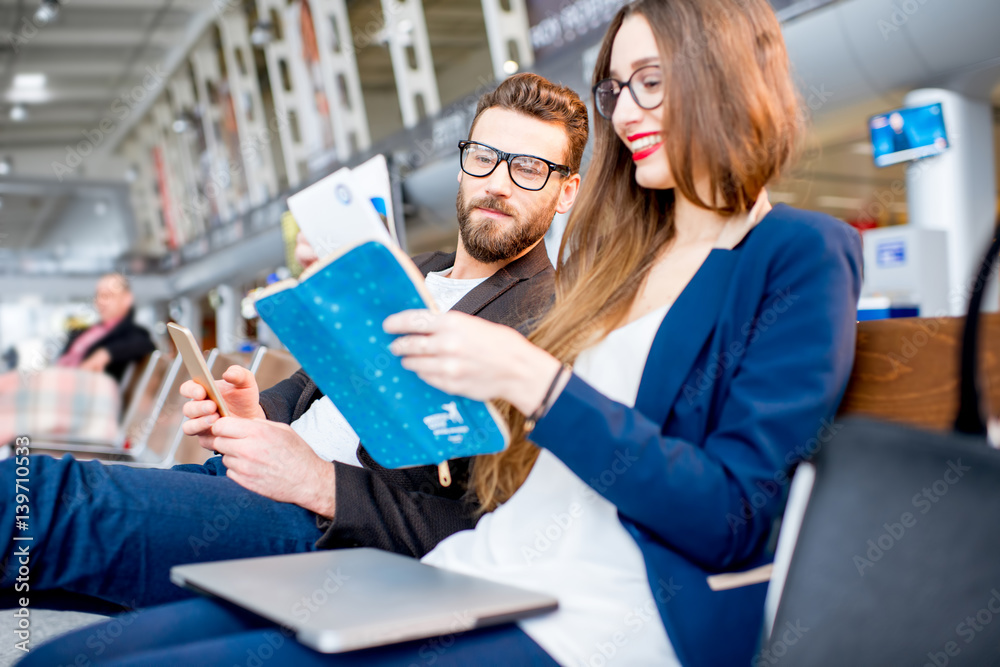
(537, 97)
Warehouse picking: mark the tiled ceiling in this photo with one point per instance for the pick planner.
(93, 56)
(97, 51)
(99, 57)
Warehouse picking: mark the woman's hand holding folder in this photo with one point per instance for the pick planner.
(457, 353)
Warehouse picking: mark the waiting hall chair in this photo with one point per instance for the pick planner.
(271, 366)
(148, 393)
(155, 438)
(169, 446)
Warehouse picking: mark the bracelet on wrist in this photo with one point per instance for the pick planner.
(532, 419)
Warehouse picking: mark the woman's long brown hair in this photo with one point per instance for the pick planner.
(731, 114)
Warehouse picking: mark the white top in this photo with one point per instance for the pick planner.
(558, 536)
(324, 428)
(328, 433)
(449, 291)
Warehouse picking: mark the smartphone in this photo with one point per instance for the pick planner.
(195, 363)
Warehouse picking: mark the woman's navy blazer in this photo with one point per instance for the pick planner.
(743, 379)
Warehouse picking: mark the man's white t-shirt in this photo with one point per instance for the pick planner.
(325, 429)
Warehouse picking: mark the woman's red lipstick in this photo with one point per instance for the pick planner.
(645, 152)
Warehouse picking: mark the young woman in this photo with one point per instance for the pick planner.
(710, 337)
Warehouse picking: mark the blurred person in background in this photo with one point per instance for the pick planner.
(79, 394)
(116, 340)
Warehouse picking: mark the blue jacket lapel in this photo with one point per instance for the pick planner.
(686, 328)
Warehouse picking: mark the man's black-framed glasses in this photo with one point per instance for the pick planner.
(526, 171)
(645, 85)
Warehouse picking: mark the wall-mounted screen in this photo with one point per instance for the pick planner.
(908, 134)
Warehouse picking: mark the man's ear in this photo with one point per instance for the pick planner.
(459, 177)
(567, 193)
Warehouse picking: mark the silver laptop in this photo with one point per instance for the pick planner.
(349, 599)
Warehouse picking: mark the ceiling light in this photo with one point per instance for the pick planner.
(28, 95)
(29, 81)
(47, 12)
(262, 33)
(18, 113)
(183, 122)
(29, 88)
(510, 67)
(5, 166)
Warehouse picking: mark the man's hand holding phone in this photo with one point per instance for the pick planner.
(265, 457)
(239, 390)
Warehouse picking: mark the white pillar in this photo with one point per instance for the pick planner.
(227, 319)
(956, 191)
(266, 337)
(295, 109)
(142, 190)
(509, 35)
(252, 126)
(412, 64)
(340, 74)
(166, 163)
(181, 102)
(153, 316)
(186, 311)
(207, 72)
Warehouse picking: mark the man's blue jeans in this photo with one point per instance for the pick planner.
(114, 532)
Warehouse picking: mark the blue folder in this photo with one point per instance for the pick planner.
(331, 321)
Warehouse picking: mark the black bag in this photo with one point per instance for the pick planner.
(897, 559)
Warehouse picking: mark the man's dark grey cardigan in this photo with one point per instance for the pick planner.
(407, 510)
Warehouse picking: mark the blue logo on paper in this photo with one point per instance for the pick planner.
(343, 194)
(890, 253)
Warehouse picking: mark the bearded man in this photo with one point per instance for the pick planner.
(292, 475)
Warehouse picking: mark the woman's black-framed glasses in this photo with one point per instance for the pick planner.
(526, 171)
(645, 85)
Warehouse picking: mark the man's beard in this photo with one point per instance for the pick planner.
(487, 242)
